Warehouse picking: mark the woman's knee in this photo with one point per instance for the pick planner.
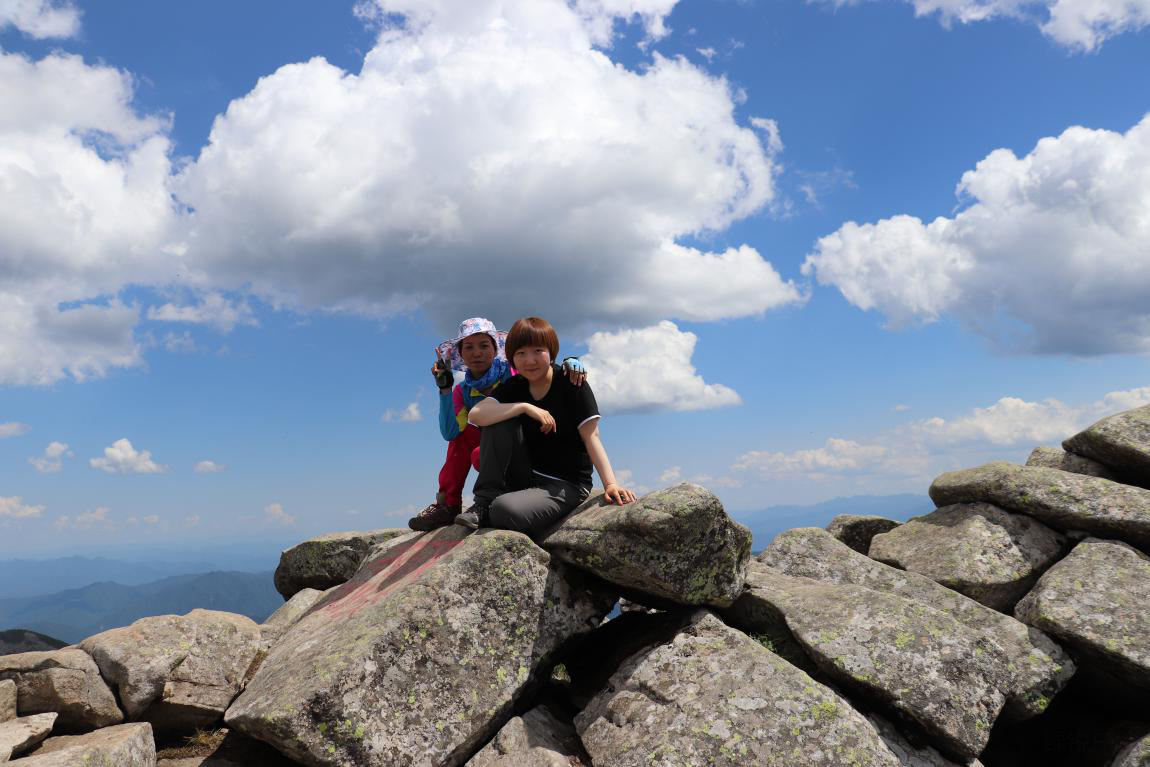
(507, 515)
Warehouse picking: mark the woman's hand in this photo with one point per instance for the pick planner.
(545, 419)
(443, 378)
(618, 495)
(575, 370)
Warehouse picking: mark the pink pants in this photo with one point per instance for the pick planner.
(462, 454)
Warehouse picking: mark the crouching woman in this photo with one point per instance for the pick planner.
(540, 439)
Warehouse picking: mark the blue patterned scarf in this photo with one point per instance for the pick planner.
(498, 371)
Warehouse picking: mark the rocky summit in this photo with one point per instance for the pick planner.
(1008, 628)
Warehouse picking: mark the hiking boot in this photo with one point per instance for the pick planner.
(435, 515)
(475, 517)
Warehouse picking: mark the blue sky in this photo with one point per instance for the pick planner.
(729, 208)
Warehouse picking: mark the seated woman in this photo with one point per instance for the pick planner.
(539, 441)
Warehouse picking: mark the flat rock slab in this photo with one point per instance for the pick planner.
(675, 544)
(288, 613)
(420, 658)
(857, 530)
(1037, 667)
(7, 700)
(1121, 441)
(1053, 458)
(920, 663)
(124, 745)
(66, 682)
(991, 555)
(20, 735)
(714, 696)
(1058, 498)
(1137, 754)
(1096, 601)
(178, 671)
(536, 739)
(326, 561)
(908, 754)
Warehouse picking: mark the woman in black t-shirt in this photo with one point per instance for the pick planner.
(540, 440)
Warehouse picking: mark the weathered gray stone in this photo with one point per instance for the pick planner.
(288, 613)
(1058, 498)
(1137, 754)
(124, 745)
(231, 749)
(991, 555)
(536, 739)
(675, 544)
(1038, 667)
(919, 662)
(1121, 442)
(326, 561)
(20, 735)
(713, 696)
(64, 681)
(856, 530)
(1096, 601)
(7, 700)
(908, 754)
(178, 672)
(1053, 458)
(420, 658)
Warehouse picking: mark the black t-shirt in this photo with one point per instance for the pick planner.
(561, 453)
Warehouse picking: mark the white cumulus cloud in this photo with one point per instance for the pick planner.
(121, 458)
(85, 519)
(208, 467)
(1050, 255)
(409, 414)
(13, 507)
(650, 368)
(13, 429)
(52, 459)
(274, 512)
(213, 309)
(41, 18)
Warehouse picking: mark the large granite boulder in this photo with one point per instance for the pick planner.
(675, 544)
(1053, 458)
(1121, 442)
(917, 662)
(713, 696)
(177, 672)
(1096, 601)
(20, 735)
(1137, 754)
(991, 555)
(536, 739)
(124, 745)
(1038, 667)
(420, 658)
(7, 700)
(1060, 499)
(328, 560)
(856, 530)
(288, 613)
(66, 682)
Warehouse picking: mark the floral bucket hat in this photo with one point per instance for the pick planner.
(449, 349)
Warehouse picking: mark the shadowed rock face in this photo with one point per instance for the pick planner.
(1137, 754)
(676, 544)
(1053, 458)
(908, 754)
(421, 656)
(65, 681)
(1038, 668)
(1060, 499)
(991, 555)
(328, 560)
(919, 662)
(1121, 442)
(125, 745)
(536, 739)
(714, 696)
(857, 531)
(7, 700)
(1096, 600)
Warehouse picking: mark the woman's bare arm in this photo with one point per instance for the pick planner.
(488, 411)
(589, 431)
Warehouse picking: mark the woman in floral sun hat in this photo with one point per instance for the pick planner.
(478, 352)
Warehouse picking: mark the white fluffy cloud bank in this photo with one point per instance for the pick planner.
(1050, 255)
(1081, 25)
(40, 18)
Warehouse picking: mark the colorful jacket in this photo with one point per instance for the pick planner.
(455, 404)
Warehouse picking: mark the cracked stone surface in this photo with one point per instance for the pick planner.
(1060, 499)
(536, 739)
(1096, 601)
(327, 560)
(1037, 667)
(978, 549)
(908, 754)
(857, 530)
(1053, 458)
(63, 681)
(421, 657)
(1121, 442)
(19, 735)
(714, 696)
(676, 544)
(123, 745)
(7, 700)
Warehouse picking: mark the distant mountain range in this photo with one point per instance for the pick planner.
(74, 614)
(19, 640)
(765, 524)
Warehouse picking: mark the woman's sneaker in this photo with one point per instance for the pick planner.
(475, 517)
(434, 516)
